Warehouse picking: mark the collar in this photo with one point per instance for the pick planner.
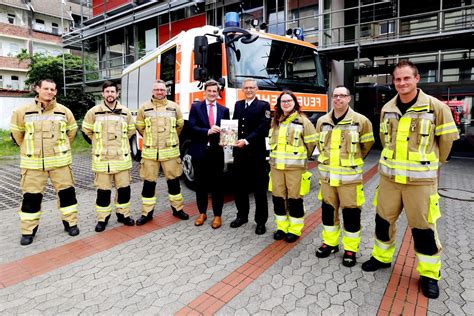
(159, 102)
(249, 102)
(45, 106)
(422, 101)
(213, 103)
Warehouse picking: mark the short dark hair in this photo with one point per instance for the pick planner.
(211, 83)
(109, 83)
(39, 83)
(406, 63)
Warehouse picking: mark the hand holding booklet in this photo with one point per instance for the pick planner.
(229, 132)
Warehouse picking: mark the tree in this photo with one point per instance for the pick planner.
(51, 67)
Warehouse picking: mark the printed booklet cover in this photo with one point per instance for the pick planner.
(229, 129)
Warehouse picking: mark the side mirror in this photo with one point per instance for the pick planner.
(200, 50)
(200, 74)
(221, 83)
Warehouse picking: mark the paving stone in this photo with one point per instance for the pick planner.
(333, 310)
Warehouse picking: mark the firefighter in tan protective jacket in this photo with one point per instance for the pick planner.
(344, 140)
(417, 132)
(108, 126)
(160, 122)
(292, 141)
(44, 130)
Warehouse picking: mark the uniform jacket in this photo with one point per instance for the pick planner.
(415, 143)
(109, 131)
(254, 123)
(44, 134)
(292, 142)
(199, 124)
(160, 122)
(343, 147)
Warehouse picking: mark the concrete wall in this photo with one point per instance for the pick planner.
(7, 105)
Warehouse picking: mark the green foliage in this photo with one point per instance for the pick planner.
(51, 67)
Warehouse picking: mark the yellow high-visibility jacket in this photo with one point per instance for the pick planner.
(343, 147)
(160, 122)
(44, 133)
(415, 143)
(109, 132)
(292, 142)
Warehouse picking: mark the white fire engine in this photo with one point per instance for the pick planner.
(227, 55)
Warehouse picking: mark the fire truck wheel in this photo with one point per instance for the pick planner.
(136, 153)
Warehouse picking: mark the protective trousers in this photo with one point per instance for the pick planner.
(149, 171)
(32, 185)
(104, 182)
(349, 197)
(421, 204)
(287, 201)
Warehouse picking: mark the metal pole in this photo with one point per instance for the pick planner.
(62, 36)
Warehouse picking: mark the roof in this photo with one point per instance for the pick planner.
(49, 7)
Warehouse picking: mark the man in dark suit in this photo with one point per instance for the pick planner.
(250, 168)
(207, 156)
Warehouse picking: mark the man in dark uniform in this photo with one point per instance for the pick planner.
(250, 162)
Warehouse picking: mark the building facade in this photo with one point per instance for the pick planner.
(360, 41)
(37, 27)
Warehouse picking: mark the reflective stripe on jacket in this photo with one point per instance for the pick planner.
(44, 134)
(292, 142)
(343, 147)
(109, 132)
(160, 122)
(415, 143)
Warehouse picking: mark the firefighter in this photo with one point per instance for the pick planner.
(417, 132)
(44, 130)
(108, 126)
(160, 122)
(345, 138)
(292, 141)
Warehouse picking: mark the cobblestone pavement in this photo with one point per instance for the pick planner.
(172, 267)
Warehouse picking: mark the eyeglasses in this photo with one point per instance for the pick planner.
(339, 96)
(159, 90)
(286, 101)
(249, 88)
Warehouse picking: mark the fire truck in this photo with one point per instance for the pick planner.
(227, 55)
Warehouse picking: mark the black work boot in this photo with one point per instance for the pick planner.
(28, 239)
(100, 227)
(127, 221)
(429, 287)
(349, 259)
(279, 235)
(180, 214)
(325, 250)
(145, 219)
(290, 238)
(71, 230)
(373, 264)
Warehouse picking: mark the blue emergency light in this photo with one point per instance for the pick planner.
(232, 19)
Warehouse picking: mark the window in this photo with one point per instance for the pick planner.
(14, 49)
(55, 28)
(167, 71)
(387, 27)
(39, 25)
(11, 18)
(15, 82)
(1, 81)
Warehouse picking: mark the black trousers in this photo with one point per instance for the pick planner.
(251, 175)
(208, 175)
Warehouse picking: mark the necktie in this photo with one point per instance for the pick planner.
(211, 114)
(246, 105)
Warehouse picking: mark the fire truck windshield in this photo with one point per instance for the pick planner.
(276, 65)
